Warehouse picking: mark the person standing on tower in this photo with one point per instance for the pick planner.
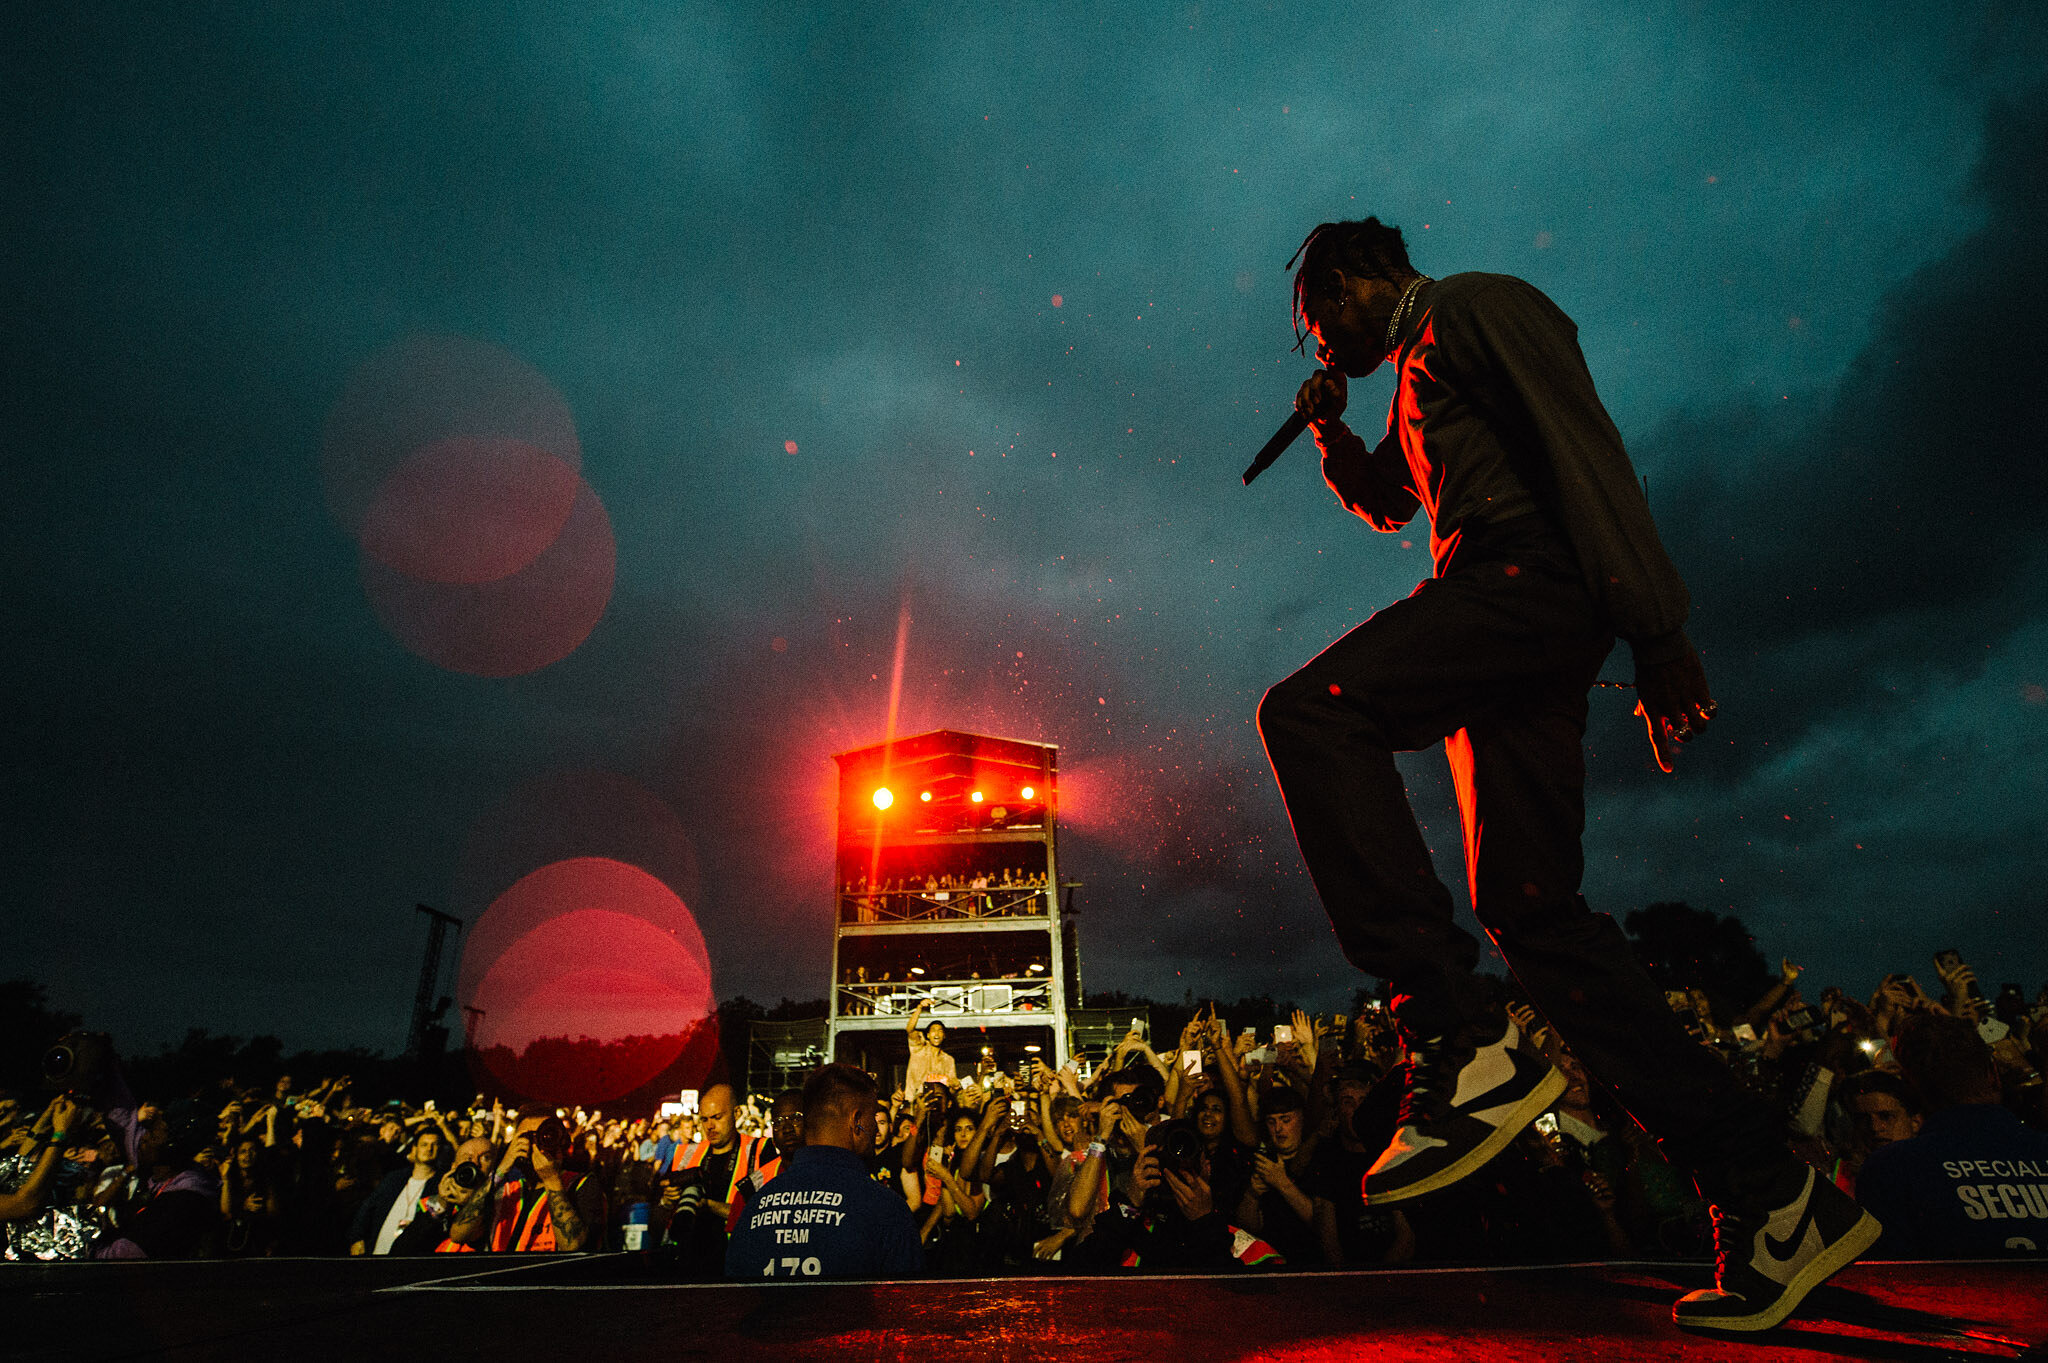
(928, 1057)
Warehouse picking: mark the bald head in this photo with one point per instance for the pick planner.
(715, 1116)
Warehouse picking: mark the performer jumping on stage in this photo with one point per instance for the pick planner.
(1545, 553)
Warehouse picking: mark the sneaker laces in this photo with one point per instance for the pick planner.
(1431, 1080)
(1728, 1228)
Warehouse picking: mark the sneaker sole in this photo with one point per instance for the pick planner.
(1825, 1265)
(1547, 1091)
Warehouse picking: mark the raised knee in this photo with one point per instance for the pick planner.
(1285, 703)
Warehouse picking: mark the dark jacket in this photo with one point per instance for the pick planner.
(1494, 418)
(420, 1236)
(1973, 1183)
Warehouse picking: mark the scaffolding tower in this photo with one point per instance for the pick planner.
(947, 896)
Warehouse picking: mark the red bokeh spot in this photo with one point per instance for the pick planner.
(423, 390)
(593, 1030)
(469, 509)
(588, 980)
(1058, 300)
(789, 447)
(517, 624)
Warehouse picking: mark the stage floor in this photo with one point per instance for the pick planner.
(610, 1309)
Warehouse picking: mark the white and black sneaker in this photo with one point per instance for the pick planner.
(1771, 1253)
(1467, 1097)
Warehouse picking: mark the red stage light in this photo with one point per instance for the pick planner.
(926, 797)
(976, 797)
(1028, 792)
(883, 799)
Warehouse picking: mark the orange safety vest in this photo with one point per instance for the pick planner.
(747, 1190)
(521, 1229)
(743, 1163)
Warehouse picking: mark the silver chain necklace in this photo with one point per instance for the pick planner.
(1401, 310)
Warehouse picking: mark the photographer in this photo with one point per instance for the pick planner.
(824, 1217)
(715, 1165)
(532, 1205)
(1173, 1224)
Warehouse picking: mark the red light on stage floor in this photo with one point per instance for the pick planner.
(883, 799)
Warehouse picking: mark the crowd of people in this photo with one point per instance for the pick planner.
(1229, 1150)
(977, 894)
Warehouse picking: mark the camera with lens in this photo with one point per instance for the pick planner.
(689, 1186)
(1179, 1148)
(469, 1176)
(78, 1062)
(551, 1138)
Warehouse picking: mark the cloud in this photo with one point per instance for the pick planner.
(1899, 530)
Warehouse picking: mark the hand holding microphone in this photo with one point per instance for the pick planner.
(1322, 396)
(1320, 399)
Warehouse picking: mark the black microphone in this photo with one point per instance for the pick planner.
(1291, 428)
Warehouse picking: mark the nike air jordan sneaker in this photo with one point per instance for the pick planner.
(1467, 1097)
(1770, 1253)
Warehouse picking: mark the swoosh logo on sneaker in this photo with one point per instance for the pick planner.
(1782, 1253)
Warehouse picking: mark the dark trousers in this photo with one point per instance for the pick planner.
(1494, 659)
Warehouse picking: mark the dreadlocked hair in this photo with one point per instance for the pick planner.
(1370, 248)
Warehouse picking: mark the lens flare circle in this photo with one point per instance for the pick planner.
(514, 625)
(469, 509)
(594, 1003)
(586, 980)
(425, 389)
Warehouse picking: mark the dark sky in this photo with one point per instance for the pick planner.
(1011, 287)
